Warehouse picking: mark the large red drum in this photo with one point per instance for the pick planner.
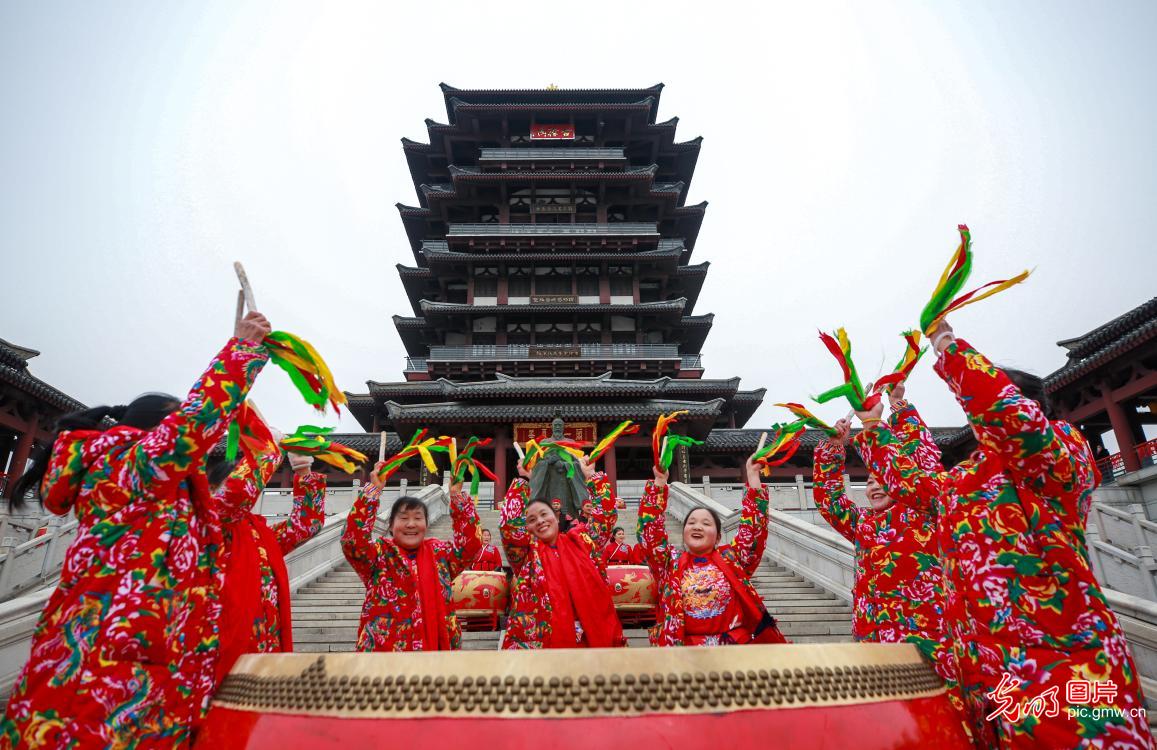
(632, 588)
(480, 597)
(866, 696)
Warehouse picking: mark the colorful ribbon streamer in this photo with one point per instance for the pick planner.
(626, 428)
(959, 268)
(912, 354)
(306, 369)
(780, 447)
(421, 446)
(662, 427)
(248, 427)
(466, 463)
(670, 443)
(851, 389)
(309, 440)
(809, 419)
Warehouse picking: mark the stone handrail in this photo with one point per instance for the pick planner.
(36, 562)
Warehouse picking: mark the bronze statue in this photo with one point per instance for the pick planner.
(549, 480)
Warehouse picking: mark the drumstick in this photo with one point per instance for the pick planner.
(521, 455)
(762, 440)
(240, 307)
(382, 447)
(246, 289)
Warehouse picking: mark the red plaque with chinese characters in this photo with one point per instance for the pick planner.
(541, 132)
(582, 432)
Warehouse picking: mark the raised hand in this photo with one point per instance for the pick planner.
(300, 464)
(586, 468)
(896, 394)
(942, 335)
(252, 328)
(843, 429)
(375, 475)
(753, 469)
(660, 476)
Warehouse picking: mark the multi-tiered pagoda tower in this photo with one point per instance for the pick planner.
(552, 274)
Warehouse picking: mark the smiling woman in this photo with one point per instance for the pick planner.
(408, 577)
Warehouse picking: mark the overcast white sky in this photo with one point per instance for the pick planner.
(145, 146)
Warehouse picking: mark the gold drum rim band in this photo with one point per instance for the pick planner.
(577, 683)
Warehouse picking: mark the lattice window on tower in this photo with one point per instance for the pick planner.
(553, 280)
(648, 291)
(517, 334)
(590, 333)
(456, 292)
(486, 285)
(622, 329)
(622, 284)
(554, 333)
(653, 337)
(587, 284)
(518, 286)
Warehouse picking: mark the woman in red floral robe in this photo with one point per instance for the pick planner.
(1028, 617)
(408, 576)
(256, 596)
(125, 650)
(488, 557)
(706, 597)
(898, 593)
(560, 596)
(617, 551)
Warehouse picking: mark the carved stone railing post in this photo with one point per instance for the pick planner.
(801, 491)
(8, 549)
(1148, 568)
(1092, 540)
(47, 564)
(707, 485)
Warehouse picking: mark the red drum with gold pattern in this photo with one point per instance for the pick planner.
(632, 588)
(833, 695)
(480, 597)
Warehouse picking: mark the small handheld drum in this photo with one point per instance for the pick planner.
(480, 597)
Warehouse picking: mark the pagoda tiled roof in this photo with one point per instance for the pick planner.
(441, 191)
(451, 93)
(14, 372)
(364, 442)
(1102, 344)
(609, 229)
(598, 386)
(439, 251)
(724, 440)
(449, 308)
(460, 412)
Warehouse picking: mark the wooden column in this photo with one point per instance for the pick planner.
(1122, 429)
(20, 455)
(610, 466)
(501, 449)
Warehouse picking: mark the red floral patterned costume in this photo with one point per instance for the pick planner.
(488, 558)
(253, 557)
(392, 616)
(899, 589)
(1021, 598)
(732, 563)
(619, 554)
(531, 606)
(124, 652)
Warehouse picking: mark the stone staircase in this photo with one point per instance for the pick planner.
(326, 611)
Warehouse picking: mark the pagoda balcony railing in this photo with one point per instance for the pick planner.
(691, 361)
(594, 153)
(612, 229)
(508, 352)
